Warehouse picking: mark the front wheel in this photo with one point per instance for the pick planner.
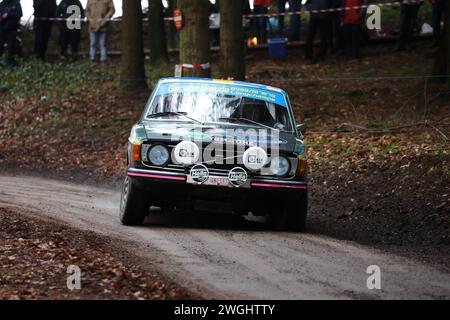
(134, 204)
(291, 216)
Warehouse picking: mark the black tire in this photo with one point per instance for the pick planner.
(134, 204)
(292, 215)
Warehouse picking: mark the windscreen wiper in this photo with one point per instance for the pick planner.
(249, 121)
(171, 113)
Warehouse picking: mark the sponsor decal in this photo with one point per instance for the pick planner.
(254, 159)
(199, 173)
(186, 153)
(239, 90)
(248, 140)
(237, 176)
(199, 136)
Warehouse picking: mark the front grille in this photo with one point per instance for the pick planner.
(215, 167)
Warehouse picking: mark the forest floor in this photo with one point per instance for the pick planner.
(36, 255)
(379, 164)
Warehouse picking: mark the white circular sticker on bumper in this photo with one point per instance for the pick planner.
(237, 176)
(199, 173)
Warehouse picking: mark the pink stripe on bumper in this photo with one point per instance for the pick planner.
(156, 176)
(275, 185)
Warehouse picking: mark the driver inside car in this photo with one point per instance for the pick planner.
(255, 111)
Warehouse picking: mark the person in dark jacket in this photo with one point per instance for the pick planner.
(261, 7)
(43, 10)
(336, 33)
(317, 21)
(67, 36)
(438, 16)
(295, 21)
(408, 14)
(10, 14)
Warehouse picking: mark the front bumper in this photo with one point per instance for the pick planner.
(257, 195)
(177, 179)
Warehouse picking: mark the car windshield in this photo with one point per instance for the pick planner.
(206, 104)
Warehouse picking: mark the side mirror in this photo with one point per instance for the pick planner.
(301, 128)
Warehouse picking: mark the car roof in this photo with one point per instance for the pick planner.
(231, 82)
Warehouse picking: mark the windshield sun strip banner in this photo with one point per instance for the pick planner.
(224, 89)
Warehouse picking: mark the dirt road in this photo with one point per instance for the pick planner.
(223, 256)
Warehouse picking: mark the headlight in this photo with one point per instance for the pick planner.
(158, 155)
(280, 166)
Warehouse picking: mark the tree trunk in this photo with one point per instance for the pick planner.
(172, 36)
(132, 72)
(232, 46)
(194, 37)
(157, 31)
(442, 62)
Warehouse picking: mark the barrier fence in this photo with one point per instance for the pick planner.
(290, 13)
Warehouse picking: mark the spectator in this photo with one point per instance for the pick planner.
(43, 9)
(336, 33)
(246, 10)
(10, 14)
(416, 27)
(317, 20)
(69, 36)
(353, 20)
(295, 21)
(99, 12)
(214, 23)
(408, 14)
(438, 15)
(261, 7)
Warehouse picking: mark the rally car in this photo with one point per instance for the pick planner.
(223, 145)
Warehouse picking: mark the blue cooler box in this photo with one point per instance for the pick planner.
(277, 47)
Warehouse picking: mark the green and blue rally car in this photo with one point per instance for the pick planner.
(227, 145)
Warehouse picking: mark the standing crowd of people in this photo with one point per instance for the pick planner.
(340, 30)
(98, 13)
(338, 23)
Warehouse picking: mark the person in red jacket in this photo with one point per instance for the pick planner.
(261, 7)
(354, 14)
(438, 15)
